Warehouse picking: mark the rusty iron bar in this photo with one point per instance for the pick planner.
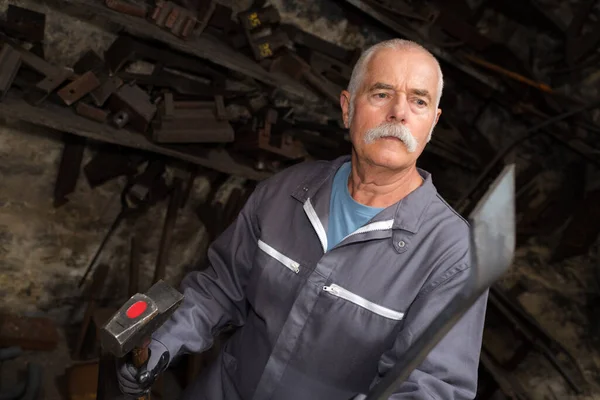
(167, 233)
(126, 7)
(513, 75)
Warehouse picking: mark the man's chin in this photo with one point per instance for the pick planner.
(391, 160)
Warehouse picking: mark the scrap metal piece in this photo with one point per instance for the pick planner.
(91, 112)
(53, 76)
(10, 62)
(179, 20)
(256, 19)
(262, 139)
(175, 82)
(267, 46)
(79, 88)
(493, 232)
(24, 24)
(126, 7)
(46, 86)
(106, 88)
(90, 61)
(190, 122)
(126, 49)
(134, 101)
(68, 171)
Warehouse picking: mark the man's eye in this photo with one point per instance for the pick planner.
(421, 102)
(381, 95)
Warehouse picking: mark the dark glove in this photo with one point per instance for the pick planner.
(137, 382)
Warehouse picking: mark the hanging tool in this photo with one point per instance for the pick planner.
(492, 231)
(128, 208)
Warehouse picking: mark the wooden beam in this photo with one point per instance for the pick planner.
(64, 119)
(204, 46)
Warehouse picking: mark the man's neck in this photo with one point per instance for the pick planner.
(379, 187)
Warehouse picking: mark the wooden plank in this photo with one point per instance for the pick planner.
(64, 119)
(204, 46)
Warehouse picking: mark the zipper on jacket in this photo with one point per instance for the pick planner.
(364, 303)
(316, 223)
(288, 262)
(373, 226)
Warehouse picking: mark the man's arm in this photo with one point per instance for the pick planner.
(214, 297)
(450, 370)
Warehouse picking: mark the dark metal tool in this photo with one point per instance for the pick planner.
(492, 231)
(130, 328)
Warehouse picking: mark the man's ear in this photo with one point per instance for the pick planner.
(437, 116)
(345, 104)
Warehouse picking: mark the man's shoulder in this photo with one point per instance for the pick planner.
(292, 177)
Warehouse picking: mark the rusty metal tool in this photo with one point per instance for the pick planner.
(130, 328)
(493, 241)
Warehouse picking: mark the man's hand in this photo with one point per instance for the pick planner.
(138, 381)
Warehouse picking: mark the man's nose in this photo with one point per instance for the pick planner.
(397, 111)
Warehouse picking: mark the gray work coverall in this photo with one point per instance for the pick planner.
(327, 325)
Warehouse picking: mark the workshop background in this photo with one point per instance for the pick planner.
(176, 109)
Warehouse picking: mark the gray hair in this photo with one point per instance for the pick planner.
(361, 67)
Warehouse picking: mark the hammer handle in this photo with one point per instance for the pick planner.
(140, 356)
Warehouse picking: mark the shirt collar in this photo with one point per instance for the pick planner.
(406, 213)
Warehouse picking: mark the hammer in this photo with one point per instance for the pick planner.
(130, 328)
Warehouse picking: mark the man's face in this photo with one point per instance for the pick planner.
(396, 100)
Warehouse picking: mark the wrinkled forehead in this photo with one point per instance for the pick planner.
(403, 69)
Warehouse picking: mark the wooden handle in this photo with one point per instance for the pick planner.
(140, 356)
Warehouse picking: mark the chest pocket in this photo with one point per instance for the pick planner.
(274, 282)
(342, 293)
(283, 259)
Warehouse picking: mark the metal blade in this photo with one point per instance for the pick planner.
(493, 241)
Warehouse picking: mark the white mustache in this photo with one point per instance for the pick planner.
(398, 131)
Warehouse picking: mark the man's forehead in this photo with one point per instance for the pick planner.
(402, 67)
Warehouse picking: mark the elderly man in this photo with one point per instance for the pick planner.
(332, 269)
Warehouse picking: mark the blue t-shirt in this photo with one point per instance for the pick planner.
(345, 214)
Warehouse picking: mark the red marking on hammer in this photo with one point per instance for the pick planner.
(136, 309)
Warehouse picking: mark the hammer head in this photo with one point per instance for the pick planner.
(138, 318)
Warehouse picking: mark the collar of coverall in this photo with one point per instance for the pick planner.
(407, 213)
